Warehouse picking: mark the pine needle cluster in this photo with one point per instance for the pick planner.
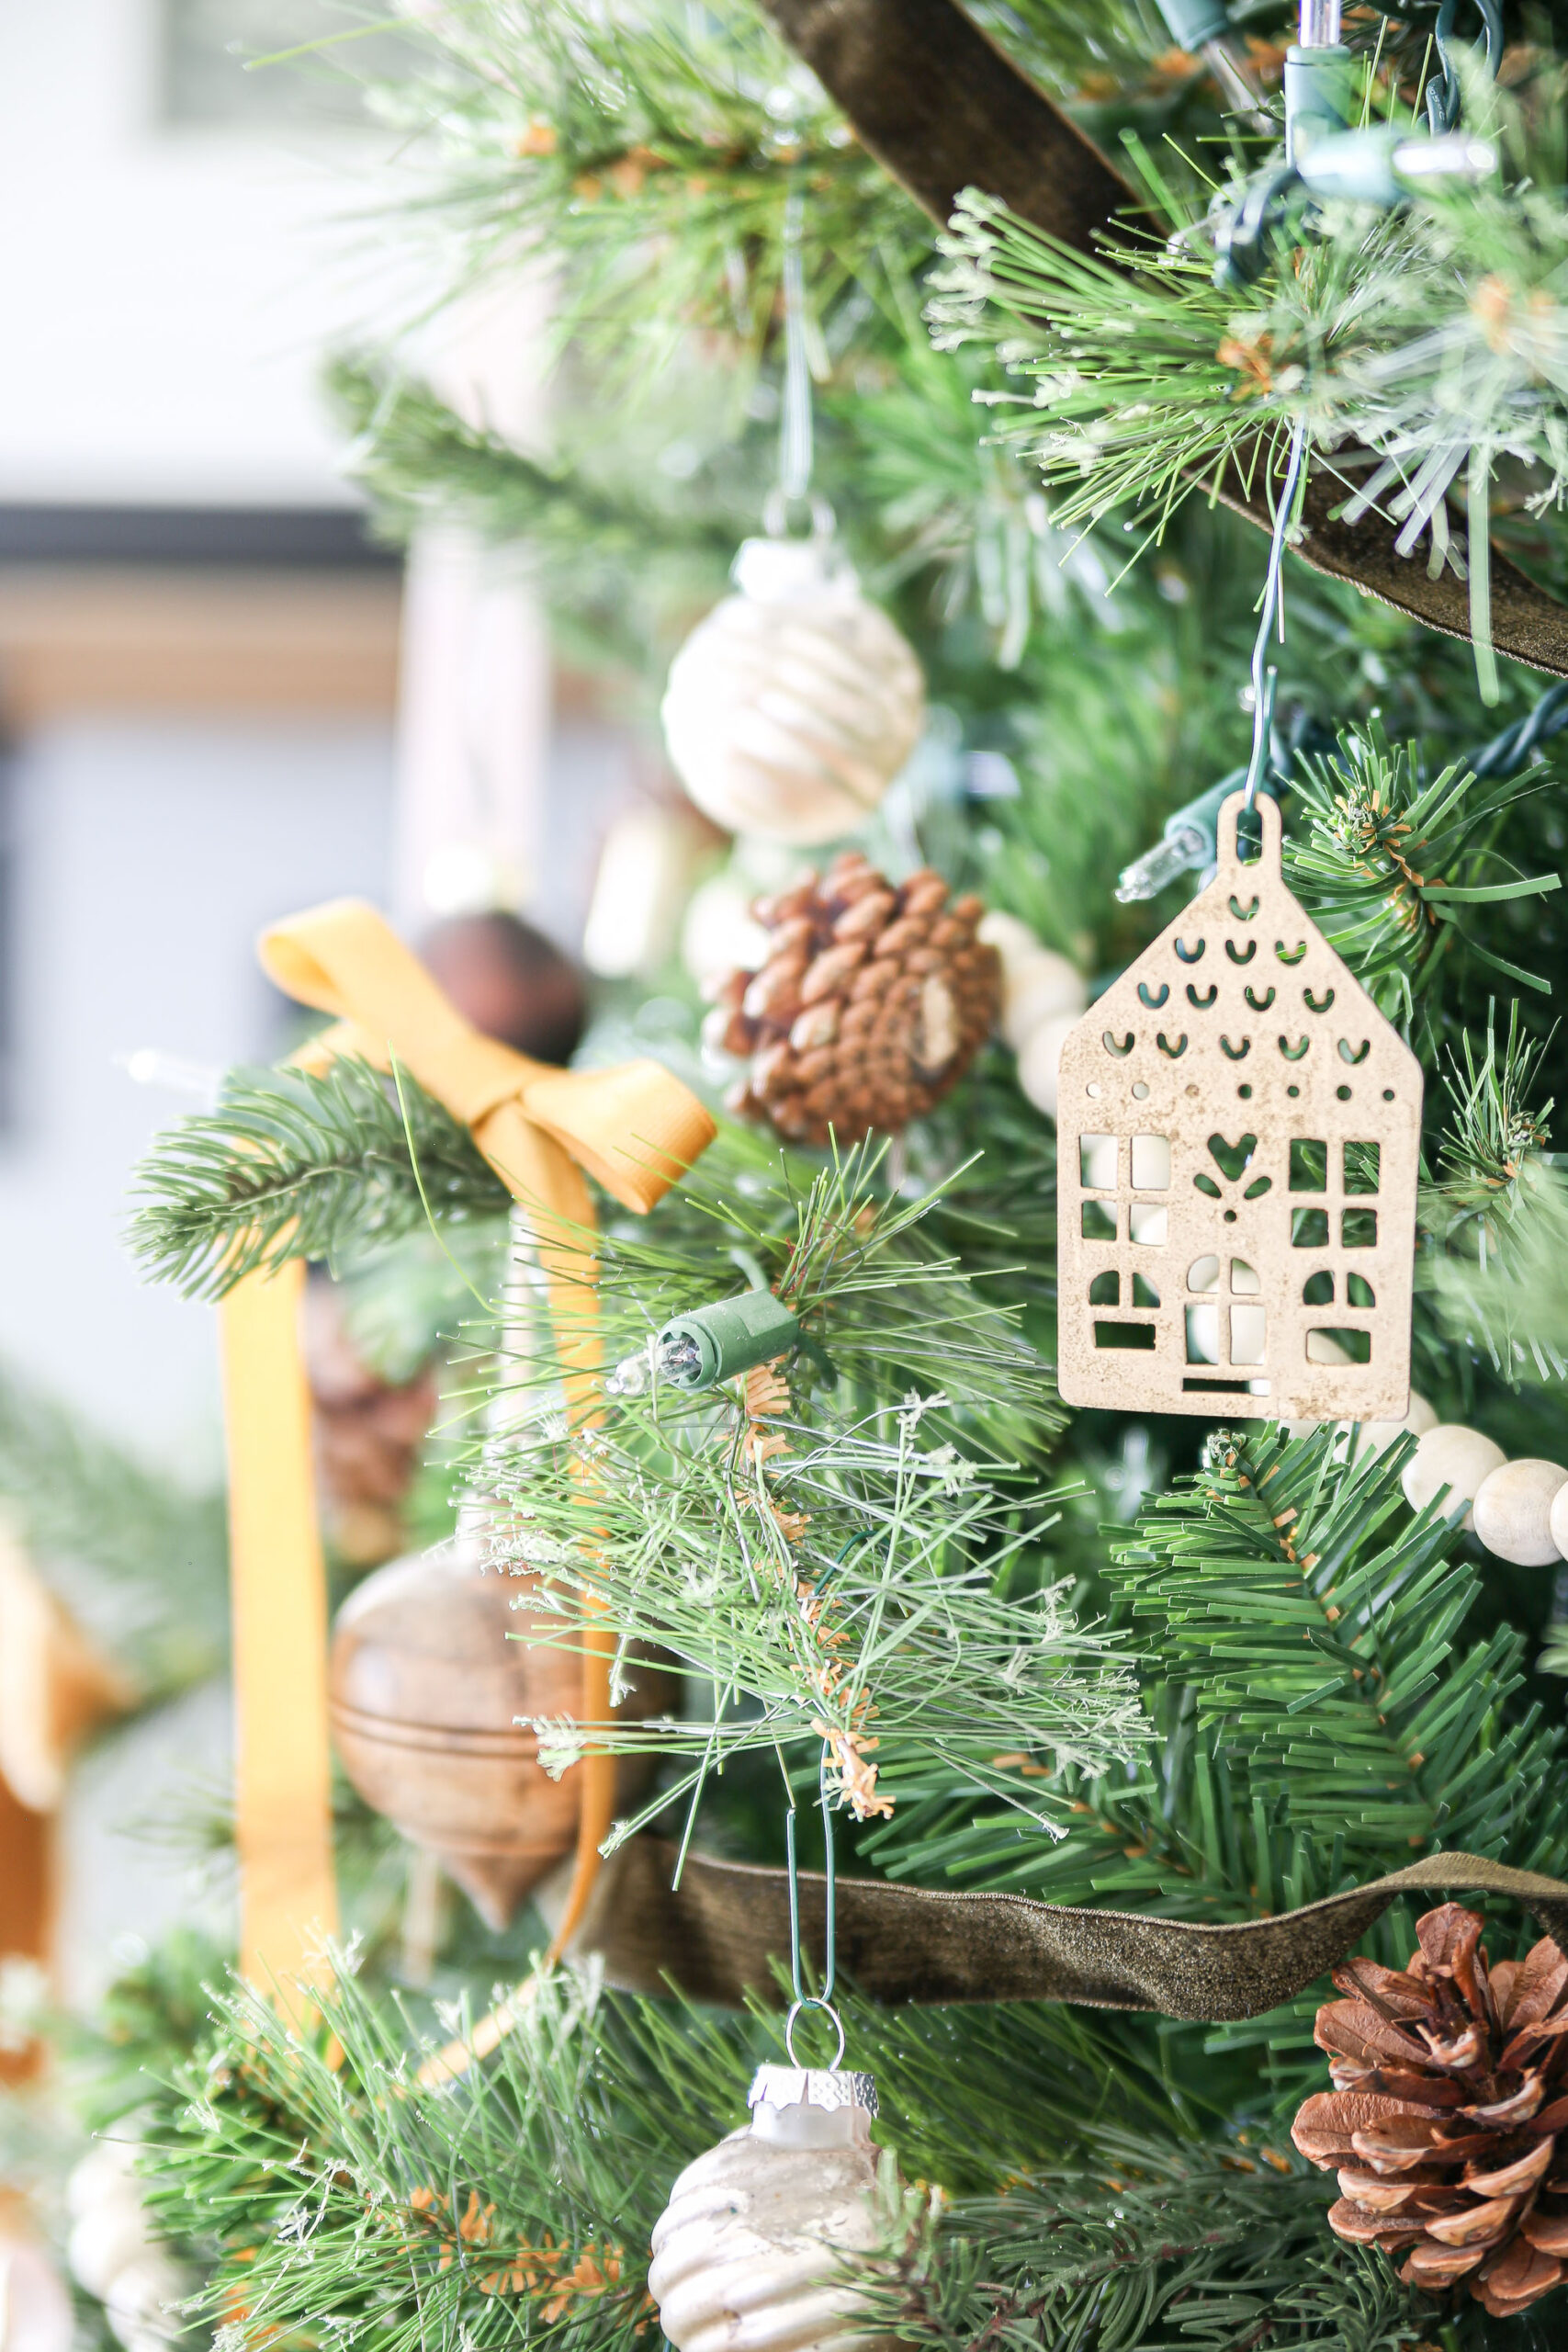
(518, 2204)
(1421, 348)
(1390, 865)
(293, 1164)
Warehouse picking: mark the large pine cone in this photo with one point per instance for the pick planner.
(1450, 2102)
(872, 1004)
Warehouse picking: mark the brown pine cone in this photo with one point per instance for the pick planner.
(871, 1006)
(369, 1435)
(1449, 2119)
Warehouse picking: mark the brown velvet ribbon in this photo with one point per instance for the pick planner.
(718, 1936)
(940, 107)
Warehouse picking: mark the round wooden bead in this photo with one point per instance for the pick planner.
(1041, 1060)
(1036, 988)
(1453, 1456)
(1557, 1519)
(1513, 1511)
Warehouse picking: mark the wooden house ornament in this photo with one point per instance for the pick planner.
(1239, 1131)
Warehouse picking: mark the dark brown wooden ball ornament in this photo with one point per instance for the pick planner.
(425, 1687)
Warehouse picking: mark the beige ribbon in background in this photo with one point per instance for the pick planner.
(636, 1129)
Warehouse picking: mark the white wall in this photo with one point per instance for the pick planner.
(148, 854)
(164, 294)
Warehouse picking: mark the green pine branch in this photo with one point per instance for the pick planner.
(604, 139)
(295, 1165)
(414, 456)
(1395, 868)
(1315, 1714)
(1496, 1220)
(141, 1560)
(518, 2205)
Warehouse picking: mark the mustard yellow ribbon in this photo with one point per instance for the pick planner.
(636, 1129)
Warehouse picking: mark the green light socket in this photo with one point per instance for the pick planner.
(731, 1336)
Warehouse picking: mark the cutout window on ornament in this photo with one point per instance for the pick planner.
(1358, 1291)
(1202, 1335)
(1329, 1343)
(1357, 1229)
(1249, 1330)
(1318, 1289)
(1203, 1274)
(1097, 1163)
(1361, 1167)
(1309, 1165)
(1099, 1221)
(1150, 1225)
(1125, 1335)
(1143, 1292)
(1105, 1289)
(1309, 1229)
(1151, 1163)
(1244, 1278)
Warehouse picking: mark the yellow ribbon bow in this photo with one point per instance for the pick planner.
(636, 1129)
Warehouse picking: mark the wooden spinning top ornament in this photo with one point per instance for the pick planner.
(428, 1676)
(1238, 1131)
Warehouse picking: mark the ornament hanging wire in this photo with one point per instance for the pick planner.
(804, 2000)
(1265, 677)
(796, 440)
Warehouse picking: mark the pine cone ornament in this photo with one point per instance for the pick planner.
(1449, 2120)
(871, 1006)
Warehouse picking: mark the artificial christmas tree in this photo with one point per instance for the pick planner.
(1215, 1703)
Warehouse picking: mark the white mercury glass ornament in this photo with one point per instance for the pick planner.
(791, 708)
(755, 2252)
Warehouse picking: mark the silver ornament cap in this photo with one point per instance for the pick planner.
(812, 2106)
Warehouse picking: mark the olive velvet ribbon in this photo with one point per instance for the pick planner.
(719, 1934)
(636, 1129)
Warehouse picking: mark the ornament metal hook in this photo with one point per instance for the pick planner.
(811, 2002)
(803, 1999)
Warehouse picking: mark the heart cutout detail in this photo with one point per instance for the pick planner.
(1233, 1159)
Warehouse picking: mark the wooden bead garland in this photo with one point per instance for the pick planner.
(1043, 996)
(1513, 1511)
(1517, 1509)
(1453, 1456)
